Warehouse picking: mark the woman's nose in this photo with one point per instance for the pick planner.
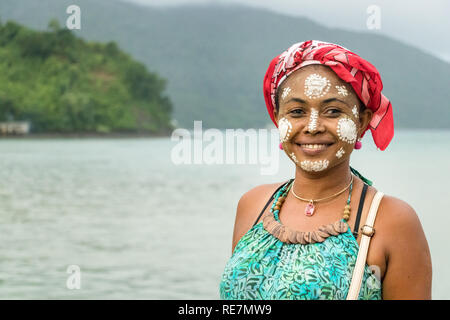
(314, 124)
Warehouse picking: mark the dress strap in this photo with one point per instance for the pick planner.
(367, 232)
(360, 207)
(268, 202)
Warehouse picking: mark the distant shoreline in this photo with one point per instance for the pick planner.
(130, 135)
(84, 135)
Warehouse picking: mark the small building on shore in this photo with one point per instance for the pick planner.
(8, 128)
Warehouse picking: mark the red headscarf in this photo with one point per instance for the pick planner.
(359, 73)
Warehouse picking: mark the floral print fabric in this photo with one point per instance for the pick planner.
(264, 268)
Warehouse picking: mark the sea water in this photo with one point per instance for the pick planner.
(137, 226)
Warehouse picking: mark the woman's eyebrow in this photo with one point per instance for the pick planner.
(296, 100)
(332, 100)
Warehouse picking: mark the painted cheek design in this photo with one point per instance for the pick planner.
(316, 86)
(285, 93)
(314, 165)
(355, 111)
(342, 90)
(293, 157)
(346, 130)
(285, 128)
(340, 152)
(312, 126)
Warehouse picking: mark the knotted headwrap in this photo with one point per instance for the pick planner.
(351, 68)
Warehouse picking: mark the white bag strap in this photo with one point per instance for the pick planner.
(367, 232)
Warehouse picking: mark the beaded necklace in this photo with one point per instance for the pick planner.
(310, 208)
(272, 224)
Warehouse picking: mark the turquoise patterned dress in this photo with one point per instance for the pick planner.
(264, 268)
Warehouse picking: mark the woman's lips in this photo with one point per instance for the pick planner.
(313, 149)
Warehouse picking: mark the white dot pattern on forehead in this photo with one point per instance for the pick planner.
(312, 126)
(340, 152)
(285, 128)
(285, 93)
(316, 86)
(346, 130)
(319, 165)
(342, 90)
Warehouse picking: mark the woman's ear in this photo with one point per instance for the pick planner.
(364, 119)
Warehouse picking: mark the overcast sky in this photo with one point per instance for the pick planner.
(424, 24)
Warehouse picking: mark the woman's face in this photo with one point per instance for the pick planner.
(319, 118)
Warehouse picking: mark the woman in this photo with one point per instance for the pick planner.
(305, 242)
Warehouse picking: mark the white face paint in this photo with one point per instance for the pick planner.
(312, 126)
(285, 128)
(340, 152)
(342, 90)
(285, 93)
(293, 157)
(314, 165)
(355, 111)
(316, 86)
(346, 130)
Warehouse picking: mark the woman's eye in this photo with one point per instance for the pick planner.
(333, 111)
(297, 111)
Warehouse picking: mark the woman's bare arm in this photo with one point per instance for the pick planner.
(409, 272)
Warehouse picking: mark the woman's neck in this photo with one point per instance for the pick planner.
(316, 185)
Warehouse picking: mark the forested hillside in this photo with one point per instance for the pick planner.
(61, 83)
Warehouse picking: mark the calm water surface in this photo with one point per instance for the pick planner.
(140, 227)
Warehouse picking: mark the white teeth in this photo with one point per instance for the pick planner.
(314, 146)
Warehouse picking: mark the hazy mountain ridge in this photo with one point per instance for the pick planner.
(215, 57)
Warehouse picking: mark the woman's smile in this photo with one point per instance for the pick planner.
(312, 149)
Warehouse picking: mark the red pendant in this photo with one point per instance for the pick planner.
(309, 210)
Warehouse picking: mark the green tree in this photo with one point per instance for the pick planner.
(63, 84)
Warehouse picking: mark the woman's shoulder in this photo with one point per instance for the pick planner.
(396, 219)
(250, 206)
(255, 198)
(395, 212)
(260, 192)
